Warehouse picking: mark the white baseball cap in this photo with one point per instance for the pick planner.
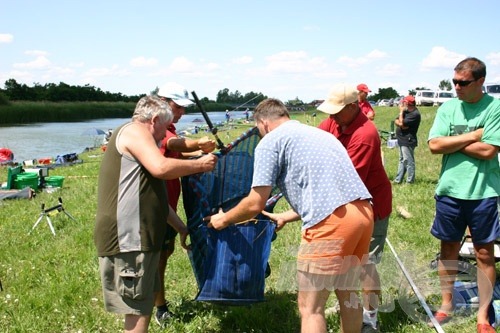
(175, 92)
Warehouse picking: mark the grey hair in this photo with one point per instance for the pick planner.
(149, 107)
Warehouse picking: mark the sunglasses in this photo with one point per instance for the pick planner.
(462, 83)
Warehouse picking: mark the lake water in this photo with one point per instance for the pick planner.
(41, 140)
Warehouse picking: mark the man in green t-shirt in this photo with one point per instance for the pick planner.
(466, 131)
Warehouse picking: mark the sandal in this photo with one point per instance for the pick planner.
(485, 328)
(442, 318)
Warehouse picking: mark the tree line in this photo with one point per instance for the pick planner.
(63, 92)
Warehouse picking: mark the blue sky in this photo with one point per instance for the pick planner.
(284, 49)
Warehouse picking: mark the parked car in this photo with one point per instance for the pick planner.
(424, 97)
(492, 89)
(372, 103)
(384, 102)
(397, 100)
(442, 96)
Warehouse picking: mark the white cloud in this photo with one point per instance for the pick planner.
(389, 70)
(376, 54)
(20, 76)
(181, 64)
(114, 70)
(143, 62)
(363, 60)
(40, 62)
(333, 73)
(6, 38)
(294, 62)
(441, 58)
(37, 53)
(212, 66)
(493, 59)
(77, 64)
(63, 71)
(242, 60)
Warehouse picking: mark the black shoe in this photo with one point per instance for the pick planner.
(162, 317)
(368, 328)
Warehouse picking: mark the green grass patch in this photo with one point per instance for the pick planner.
(51, 283)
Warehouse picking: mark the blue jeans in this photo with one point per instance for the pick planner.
(406, 165)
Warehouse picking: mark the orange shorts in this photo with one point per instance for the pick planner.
(339, 242)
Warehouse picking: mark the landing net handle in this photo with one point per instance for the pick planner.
(213, 129)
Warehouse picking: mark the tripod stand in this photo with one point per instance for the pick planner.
(52, 210)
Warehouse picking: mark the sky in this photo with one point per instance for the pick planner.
(283, 49)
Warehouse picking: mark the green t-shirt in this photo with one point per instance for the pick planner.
(462, 176)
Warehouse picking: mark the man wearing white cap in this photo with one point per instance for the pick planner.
(361, 139)
(175, 147)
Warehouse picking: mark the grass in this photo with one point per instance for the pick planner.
(51, 283)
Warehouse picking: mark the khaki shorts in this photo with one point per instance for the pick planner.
(339, 242)
(129, 282)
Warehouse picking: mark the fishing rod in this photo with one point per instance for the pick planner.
(239, 106)
(212, 128)
(421, 299)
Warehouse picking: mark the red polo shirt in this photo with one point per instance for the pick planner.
(366, 107)
(362, 142)
(173, 185)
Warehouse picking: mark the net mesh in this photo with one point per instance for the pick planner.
(229, 265)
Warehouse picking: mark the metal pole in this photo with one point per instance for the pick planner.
(434, 322)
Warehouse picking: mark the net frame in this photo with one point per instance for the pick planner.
(230, 265)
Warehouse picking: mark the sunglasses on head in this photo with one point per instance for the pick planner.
(462, 83)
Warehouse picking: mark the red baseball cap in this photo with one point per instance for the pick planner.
(363, 87)
(409, 99)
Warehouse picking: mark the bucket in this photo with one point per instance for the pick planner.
(26, 179)
(45, 160)
(54, 181)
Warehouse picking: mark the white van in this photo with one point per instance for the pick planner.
(492, 89)
(424, 97)
(442, 96)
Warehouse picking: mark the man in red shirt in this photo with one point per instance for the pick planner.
(361, 139)
(176, 147)
(363, 103)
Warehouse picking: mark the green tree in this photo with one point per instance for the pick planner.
(295, 102)
(4, 100)
(62, 92)
(445, 85)
(223, 96)
(384, 93)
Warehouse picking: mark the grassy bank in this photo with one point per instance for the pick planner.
(51, 283)
(34, 112)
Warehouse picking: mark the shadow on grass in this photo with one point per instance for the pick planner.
(278, 313)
